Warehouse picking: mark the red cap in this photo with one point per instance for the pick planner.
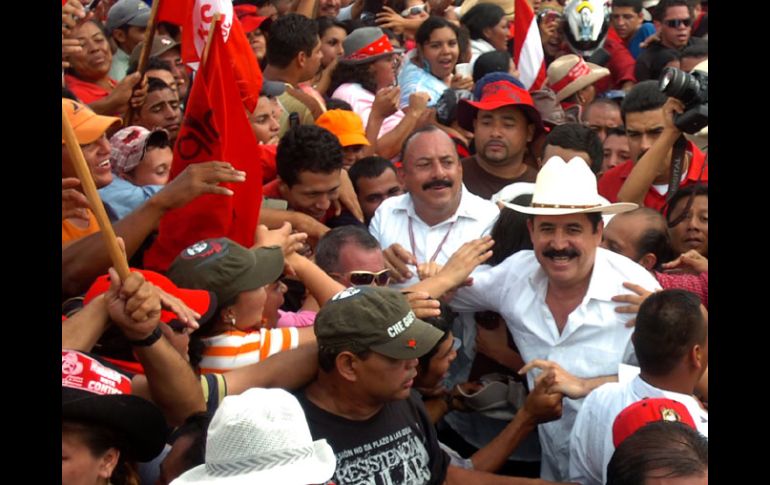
(646, 411)
(250, 19)
(202, 301)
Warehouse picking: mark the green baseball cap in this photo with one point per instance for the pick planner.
(226, 268)
(373, 318)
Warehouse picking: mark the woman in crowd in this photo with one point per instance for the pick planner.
(488, 27)
(688, 220)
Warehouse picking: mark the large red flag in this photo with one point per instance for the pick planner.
(196, 17)
(527, 47)
(215, 127)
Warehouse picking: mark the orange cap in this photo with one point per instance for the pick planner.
(88, 125)
(345, 125)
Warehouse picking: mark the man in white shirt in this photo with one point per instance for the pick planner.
(558, 299)
(671, 344)
(424, 227)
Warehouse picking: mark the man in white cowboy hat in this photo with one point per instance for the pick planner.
(261, 436)
(557, 299)
(573, 80)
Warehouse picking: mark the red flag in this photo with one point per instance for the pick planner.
(528, 49)
(195, 18)
(215, 127)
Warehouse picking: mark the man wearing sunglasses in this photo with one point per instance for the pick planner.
(673, 20)
(353, 257)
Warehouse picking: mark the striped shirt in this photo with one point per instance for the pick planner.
(234, 348)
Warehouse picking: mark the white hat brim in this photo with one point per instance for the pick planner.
(317, 469)
(597, 72)
(616, 208)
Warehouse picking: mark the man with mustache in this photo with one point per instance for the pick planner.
(424, 227)
(557, 299)
(649, 118)
(504, 121)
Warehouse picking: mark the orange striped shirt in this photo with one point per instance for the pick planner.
(234, 348)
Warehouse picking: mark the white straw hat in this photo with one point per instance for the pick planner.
(568, 188)
(261, 436)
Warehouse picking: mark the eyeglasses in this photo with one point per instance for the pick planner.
(416, 10)
(366, 278)
(549, 16)
(675, 23)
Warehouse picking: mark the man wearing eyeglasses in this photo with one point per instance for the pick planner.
(673, 20)
(353, 257)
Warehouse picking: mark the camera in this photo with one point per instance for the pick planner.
(692, 89)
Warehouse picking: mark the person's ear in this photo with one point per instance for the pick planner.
(346, 363)
(648, 261)
(108, 462)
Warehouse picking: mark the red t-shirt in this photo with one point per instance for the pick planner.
(85, 91)
(613, 179)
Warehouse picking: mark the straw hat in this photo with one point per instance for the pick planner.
(570, 73)
(568, 188)
(507, 6)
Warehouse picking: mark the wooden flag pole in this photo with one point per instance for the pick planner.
(149, 36)
(210, 37)
(84, 174)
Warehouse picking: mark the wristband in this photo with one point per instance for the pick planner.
(149, 340)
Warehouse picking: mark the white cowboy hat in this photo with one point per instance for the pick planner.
(568, 188)
(569, 74)
(261, 436)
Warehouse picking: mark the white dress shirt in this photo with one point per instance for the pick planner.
(474, 218)
(594, 340)
(591, 446)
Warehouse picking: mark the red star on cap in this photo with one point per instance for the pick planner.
(412, 343)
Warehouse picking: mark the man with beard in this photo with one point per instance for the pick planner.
(505, 121)
(557, 299)
(424, 227)
(161, 109)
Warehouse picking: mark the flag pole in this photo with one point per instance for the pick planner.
(84, 174)
(149, 36)
(209, 39)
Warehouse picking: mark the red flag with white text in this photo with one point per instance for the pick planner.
(215, 128)
(527, 47)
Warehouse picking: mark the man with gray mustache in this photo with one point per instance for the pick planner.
(421, 229)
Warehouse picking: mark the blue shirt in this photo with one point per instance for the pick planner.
(646, 30)
(124, 197)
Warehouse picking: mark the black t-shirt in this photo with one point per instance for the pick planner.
(398, 445)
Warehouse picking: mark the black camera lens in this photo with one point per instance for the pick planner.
(683, 86)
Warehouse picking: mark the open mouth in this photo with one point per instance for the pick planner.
(104, 164)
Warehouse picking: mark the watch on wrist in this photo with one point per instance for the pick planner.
(149, 340)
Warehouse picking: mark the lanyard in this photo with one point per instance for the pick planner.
(440, 245)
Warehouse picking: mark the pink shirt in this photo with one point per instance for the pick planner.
(361, 100)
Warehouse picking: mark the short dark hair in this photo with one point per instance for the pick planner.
(327, 357)
(463, 43)
(429, 25)
(668, 324)
(598, 102)
(156, 84)
(644, 96)
(334, 103)
(575, 136)
(307, 148)
(152, 63)
(482, 16)
(700, 49)
(668, 447)
(442, 322)
(659, 12)
(196, 427)
(327, 251)
(510, 231)
(492, 61)
(655, 238)
(326, 23)
(369, 167)
(635, 4)
(289, 35)
(616, 131)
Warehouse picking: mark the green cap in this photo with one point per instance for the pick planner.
(226, 268)
(373, 318)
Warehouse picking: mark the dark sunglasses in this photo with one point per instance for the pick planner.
(416, 10)
(365, 278)
(675, 23)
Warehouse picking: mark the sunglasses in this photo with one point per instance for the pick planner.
(416, 10)
(549, 16)
(366, 278)
(675, 23)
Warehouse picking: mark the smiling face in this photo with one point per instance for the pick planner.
(441, 52)
(565, 246)
(313, 193)
(94, 61)
(97, 156)
(431, 172)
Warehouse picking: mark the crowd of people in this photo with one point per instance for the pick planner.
(461, 272)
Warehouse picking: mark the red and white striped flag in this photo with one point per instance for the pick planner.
(527, 47)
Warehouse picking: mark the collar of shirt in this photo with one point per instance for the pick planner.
(642, 388)
(469, 208)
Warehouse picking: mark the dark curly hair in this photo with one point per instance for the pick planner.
(307, 148)
(353, 73)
